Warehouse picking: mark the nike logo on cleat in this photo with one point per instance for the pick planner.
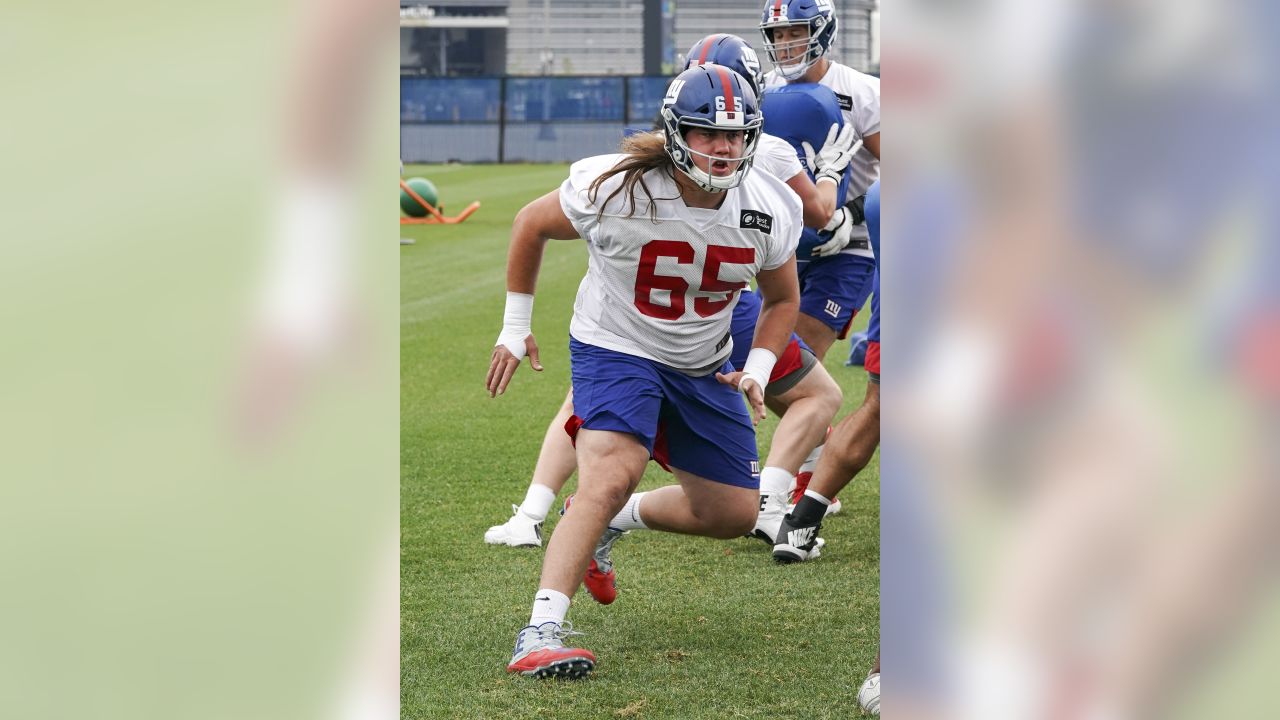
(801, 536)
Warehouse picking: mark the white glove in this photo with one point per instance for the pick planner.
(829, 164)
(842, 231)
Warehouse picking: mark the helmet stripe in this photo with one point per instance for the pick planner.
(728, 91)
(706, 48)
(777, 8)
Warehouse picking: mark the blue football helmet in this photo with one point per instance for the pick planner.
(710, 96)
(805, 112)
(820, 18)
(730, 51)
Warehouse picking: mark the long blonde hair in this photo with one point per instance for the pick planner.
(645, 151)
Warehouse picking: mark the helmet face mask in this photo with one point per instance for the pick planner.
(715, 98)
(816, 15)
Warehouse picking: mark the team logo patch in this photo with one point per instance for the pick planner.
(833, 308)
(846, 102)
(756, 220)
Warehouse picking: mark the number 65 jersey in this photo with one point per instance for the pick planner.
(665, 289)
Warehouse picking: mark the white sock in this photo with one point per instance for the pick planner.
(629, 517)
(774, 482)
(811, 462)
(549, 606)
(816, 496)
(537, 502)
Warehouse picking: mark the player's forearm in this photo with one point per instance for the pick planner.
(819, 201)
(777, 320)
(524, 259)
(824, 206)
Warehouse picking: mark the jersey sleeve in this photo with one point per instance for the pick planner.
(866, 106)
(575, 193)
(778, 158)
(788, 226)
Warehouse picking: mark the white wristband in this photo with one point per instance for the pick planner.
(759, 367)
(517, 323)
(827, 178)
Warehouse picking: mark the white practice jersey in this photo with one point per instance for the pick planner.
(776, 157)
(859, 98)
(666, 290)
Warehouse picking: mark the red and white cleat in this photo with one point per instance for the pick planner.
(540, 653)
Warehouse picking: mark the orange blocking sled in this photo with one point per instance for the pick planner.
(435, 218)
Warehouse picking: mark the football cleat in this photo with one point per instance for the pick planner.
(540, 653)
(869, 694)
(773, 507)
(797, 544)
(520, 531)
(601, 580)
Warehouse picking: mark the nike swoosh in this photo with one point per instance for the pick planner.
(545, 598)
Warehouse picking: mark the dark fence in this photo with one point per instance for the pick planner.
(522, 119)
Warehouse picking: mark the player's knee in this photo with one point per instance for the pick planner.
(607, 493)
(743, 522)
(831, 397)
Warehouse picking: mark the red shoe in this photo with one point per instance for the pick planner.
(540, 653)
(802, 484)
(603, 586)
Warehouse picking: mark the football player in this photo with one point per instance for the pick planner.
(650, 336)
(799, 381)
(835, 283)
(850, 446)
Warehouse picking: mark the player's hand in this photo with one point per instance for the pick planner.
(503, 364)
(837, 151)
(750, 390)
(841, 229)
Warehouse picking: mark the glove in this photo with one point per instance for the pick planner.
(831, 161)
(841, 229)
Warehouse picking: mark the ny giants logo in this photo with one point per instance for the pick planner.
(673, 92)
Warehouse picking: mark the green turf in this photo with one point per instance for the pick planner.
(701, 628)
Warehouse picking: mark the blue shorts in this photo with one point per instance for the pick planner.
(696, 424)
(834, 289)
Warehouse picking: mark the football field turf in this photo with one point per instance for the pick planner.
(701, 628)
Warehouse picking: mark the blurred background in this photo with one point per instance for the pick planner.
(558, 80)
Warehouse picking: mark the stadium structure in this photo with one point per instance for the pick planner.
(556, 80)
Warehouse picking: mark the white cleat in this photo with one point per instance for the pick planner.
(520, 531)
(869, 694)
(769, 519)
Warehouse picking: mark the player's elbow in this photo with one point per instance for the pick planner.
(817, 215)
(524, 220)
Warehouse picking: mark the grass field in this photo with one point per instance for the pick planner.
(701, 628)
